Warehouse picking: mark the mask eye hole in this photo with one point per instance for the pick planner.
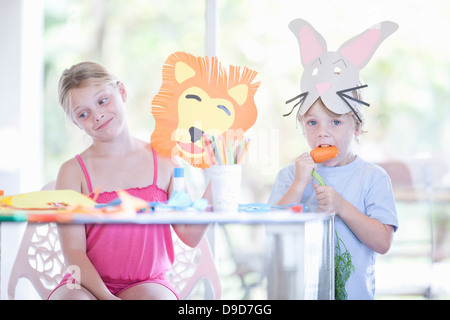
(315, 72)
(337, 70)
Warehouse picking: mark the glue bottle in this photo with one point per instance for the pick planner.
(178, 179)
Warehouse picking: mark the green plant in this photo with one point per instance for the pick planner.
(343, 267)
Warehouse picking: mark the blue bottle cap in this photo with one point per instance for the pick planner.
(178, 172)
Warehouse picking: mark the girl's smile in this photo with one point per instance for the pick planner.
(104, 124)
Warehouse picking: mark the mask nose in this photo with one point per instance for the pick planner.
(322, 88)
(195, 133)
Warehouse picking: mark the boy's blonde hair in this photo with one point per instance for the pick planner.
(358, 94)
(81, 75)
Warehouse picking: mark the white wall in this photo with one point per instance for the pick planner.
(21, 83)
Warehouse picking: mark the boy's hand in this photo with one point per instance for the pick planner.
(304, 165)
(328, 199)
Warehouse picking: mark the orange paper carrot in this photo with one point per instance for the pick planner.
(323, 154)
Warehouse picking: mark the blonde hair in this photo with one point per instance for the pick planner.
(358, 94)
(81, 75)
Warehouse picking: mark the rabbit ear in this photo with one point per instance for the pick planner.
(312, 44)
(360, 49)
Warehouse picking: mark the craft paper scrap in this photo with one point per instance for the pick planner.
(47, 199)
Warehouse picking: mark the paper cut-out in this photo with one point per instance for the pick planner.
(46, 199)
(333, 76)
(198, 97)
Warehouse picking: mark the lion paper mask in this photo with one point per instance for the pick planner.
(333, 76)
(198, 97)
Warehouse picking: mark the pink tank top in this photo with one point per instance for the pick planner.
(124, 253)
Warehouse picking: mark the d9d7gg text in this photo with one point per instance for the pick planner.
(246, 309)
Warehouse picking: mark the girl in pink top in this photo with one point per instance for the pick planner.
(115, 261)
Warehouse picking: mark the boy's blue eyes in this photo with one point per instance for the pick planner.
(313, 122)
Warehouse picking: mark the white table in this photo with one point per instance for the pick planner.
(301, 246)
(196, 217)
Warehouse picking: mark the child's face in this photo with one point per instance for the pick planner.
(322, 129)
(99, 110)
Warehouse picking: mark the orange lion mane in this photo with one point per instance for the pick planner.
(208, 75)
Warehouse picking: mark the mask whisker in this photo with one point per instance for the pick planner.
(354, 99)
(351, 108)
(302, 98)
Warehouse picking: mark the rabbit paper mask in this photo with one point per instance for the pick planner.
(333, 76)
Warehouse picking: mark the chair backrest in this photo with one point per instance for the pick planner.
(399, 173)
(192, 268)
(39, 260)
(402, 180)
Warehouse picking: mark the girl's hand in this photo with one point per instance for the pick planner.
(304, 165)
(328, 199)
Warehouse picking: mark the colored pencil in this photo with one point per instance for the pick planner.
(243, 152)
(225, 151)
(209, 150)
(216, 150)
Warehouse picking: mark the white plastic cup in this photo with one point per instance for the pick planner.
(225, 187)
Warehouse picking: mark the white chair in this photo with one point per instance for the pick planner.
(40, 260)
(193, 267)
